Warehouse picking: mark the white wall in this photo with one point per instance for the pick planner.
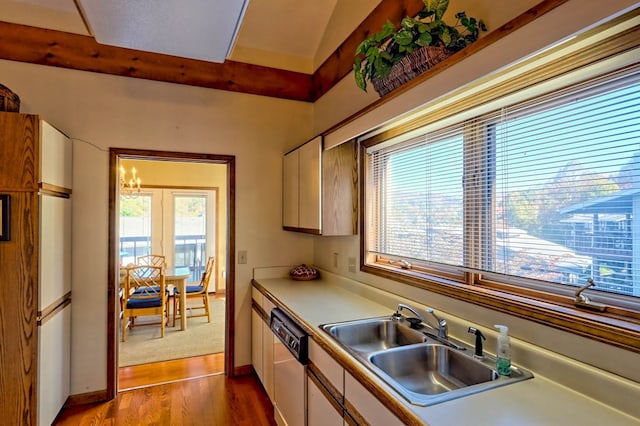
(102, 111)
(558, 24)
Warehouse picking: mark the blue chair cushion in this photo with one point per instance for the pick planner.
(154, 302)
(140, 290)
(191, 289)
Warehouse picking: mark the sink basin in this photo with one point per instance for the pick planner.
(374, 334)
(421, 367)
(432, 369)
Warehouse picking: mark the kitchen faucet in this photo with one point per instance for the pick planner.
(442, 327)
(478, 353)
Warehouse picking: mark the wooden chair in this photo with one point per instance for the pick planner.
(153, 260)
(144, 293)
(195, 291)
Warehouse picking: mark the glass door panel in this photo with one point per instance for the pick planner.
(190, 233)
(135, 227)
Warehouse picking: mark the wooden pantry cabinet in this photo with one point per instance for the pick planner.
(35, 301)
(320, 189)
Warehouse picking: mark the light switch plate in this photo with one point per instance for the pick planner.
(242, 256)
(352, 264)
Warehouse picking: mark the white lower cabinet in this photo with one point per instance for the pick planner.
(342, 400)
(267, 354)
(325, 402)
(262, 342)
(256, 343)
(367, 405)
(320, 411)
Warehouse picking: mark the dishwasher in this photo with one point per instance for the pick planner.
(290, 357)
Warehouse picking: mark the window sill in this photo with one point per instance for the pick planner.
(614, 326)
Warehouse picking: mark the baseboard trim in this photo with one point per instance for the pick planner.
(243, 370)
(86, 398)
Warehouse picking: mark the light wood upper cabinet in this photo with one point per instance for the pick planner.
(309, 177)
(301, 188)
(320, 189)
(340, 190)
(290, 184)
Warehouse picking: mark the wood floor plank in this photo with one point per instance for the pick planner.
(211, 400)
(169, 371)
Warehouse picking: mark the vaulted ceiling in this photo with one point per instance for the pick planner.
(284, 48)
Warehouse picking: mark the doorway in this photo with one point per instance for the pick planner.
(176, 254)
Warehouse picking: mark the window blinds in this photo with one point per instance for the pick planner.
(417, 209)
(545, 189)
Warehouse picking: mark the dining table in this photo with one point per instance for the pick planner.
(177, 276)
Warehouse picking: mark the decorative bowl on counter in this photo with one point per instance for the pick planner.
(304, 273)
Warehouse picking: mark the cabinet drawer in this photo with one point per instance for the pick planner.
(257, 296)
(327, 365)
(366, 405)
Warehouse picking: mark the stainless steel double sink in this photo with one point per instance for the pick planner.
(420, 366)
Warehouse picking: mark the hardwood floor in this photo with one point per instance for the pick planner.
(169, 371)
(189, 391)
(211, 400)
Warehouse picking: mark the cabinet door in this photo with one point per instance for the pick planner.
(310, 174)
(256, 343)
(18, 134)
(56, 157)
(290, 187)
(268, 341)
(367, 406)
(55, 250)
(54, 366)
(329, 368)
(320, 412)
(340, 190)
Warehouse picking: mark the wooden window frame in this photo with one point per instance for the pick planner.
(617, 325)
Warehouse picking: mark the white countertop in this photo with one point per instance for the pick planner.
(537, 401)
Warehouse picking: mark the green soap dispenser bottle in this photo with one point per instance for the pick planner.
(503, 352)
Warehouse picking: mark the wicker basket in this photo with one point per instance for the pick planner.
(410, 67)
(9, 101)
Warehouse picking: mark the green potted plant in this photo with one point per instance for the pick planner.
(427, 38)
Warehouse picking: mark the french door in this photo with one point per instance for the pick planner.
(176, 223)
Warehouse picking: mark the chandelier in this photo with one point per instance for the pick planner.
(129, 188)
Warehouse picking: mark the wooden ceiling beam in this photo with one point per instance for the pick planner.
(48, 47)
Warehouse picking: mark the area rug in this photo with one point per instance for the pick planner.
(144, 344)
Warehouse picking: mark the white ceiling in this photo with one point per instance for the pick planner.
(277, 33)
